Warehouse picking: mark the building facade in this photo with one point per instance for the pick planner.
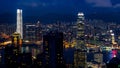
(19, 28)
(33, 32)
(53, 50)
(80, 52)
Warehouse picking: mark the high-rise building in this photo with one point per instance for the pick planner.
(53, 50)
(7, 29)
(16, 40)
(30, 32)
(113, 42)
(80, 31)
(19, 28)
(33, 32)
(14, 59)
(80, 52)
(38, 31)
(112, 37)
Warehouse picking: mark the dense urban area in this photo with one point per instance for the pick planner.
(84, 43)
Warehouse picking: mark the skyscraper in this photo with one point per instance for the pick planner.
(33, 32)
(53, 50)
(80, 31)
(16, 40)
(80, 52)
(38, 31)
(19, 28)
(30, 32)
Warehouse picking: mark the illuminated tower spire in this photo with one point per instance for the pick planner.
(19, 28)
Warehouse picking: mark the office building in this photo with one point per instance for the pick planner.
(80, 52)
(30, 31)
(16, 39)
(33, 32)
(53, 50)
(38, 31)
(19, 28)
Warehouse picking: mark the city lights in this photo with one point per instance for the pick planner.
(83, 34)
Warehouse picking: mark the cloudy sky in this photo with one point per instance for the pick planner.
(43, 7)
(56, 5)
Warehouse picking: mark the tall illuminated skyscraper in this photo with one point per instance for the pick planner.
(80, 52)
(19, 28)
(80, 31)
(112, 37)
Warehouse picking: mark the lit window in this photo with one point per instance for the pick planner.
(46, 48)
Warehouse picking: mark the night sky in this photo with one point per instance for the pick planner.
(54, 9)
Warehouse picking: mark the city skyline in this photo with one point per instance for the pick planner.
(60, 33)
(84, 43)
